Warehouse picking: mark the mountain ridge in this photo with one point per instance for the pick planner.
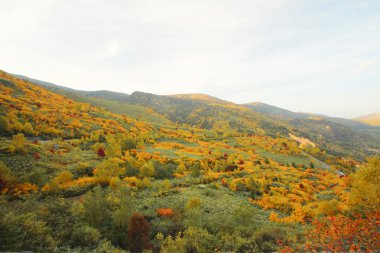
(338, 135)
(371, 119)
(196, 96)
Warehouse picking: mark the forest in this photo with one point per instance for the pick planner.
(147, 173)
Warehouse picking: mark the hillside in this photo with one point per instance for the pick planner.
(77, 177)
(197, 110)
(337, 135)
(201, 97)
(371, 119)
(222, 117)
(275, 111)
(112, 101)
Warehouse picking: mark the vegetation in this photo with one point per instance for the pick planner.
(211, 176)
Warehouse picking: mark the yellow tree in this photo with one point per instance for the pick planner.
(148, 169)
(4, 124)
(365, 186)
(108, 169)
(113, 147)
(28, 129)
(18, 143)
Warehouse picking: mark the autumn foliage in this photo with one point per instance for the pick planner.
(138, 233)
(340, 233)
(101, 152)
(165, 212)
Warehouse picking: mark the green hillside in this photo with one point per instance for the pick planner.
(76, 177)
(337, 135)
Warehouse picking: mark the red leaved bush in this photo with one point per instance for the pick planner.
(358, 233)
(101, 152)
(138, 233)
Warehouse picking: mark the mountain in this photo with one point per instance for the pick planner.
(52, 114)
(105, 94)
(201, 97)
(275, 111)
(336, 135)
(112, 101)
(197, 110)
(77, 177)
(287, 115)
(371, 119)
(224, 117)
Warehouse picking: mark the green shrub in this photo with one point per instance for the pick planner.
(85, 236)
(25, 232)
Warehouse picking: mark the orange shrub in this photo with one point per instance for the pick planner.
(164, 212)
(25, 188)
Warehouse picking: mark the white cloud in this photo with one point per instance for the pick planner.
(273, 51)
(364, 66)
(112, 48)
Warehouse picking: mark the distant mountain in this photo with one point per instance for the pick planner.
(275, 111)
(336, 135)
(201, 97)
(208, 114)
(309, 118)
(371, 119)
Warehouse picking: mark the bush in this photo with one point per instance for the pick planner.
(165, 171)
(267, 238)
(85, 236)
(5, 176)
(138, 233)
(191, 240)
(37, 177)
(25, 232)
(131, 171)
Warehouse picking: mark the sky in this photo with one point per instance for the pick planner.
(306, 56)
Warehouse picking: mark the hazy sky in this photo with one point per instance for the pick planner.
(303, 55)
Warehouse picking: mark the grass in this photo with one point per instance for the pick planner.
(283, 158)
(221, 201)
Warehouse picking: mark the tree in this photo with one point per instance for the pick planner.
(148, 169)
(131, 170)
(62, 178)
(365, 186)
(4, 125)
(181, 168)
(113, 147)
(97, 209)
(195, 170)
(85, 236)
(120, 218)
(193, 203)
(108, 169)
(164, 171)
(138, 233)
(5, 176)
(191, 240)
(129, 143)
(101, 152)
(218, 153)
(166, 185)
(18, 143)
(25, 232)
(28, 129)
